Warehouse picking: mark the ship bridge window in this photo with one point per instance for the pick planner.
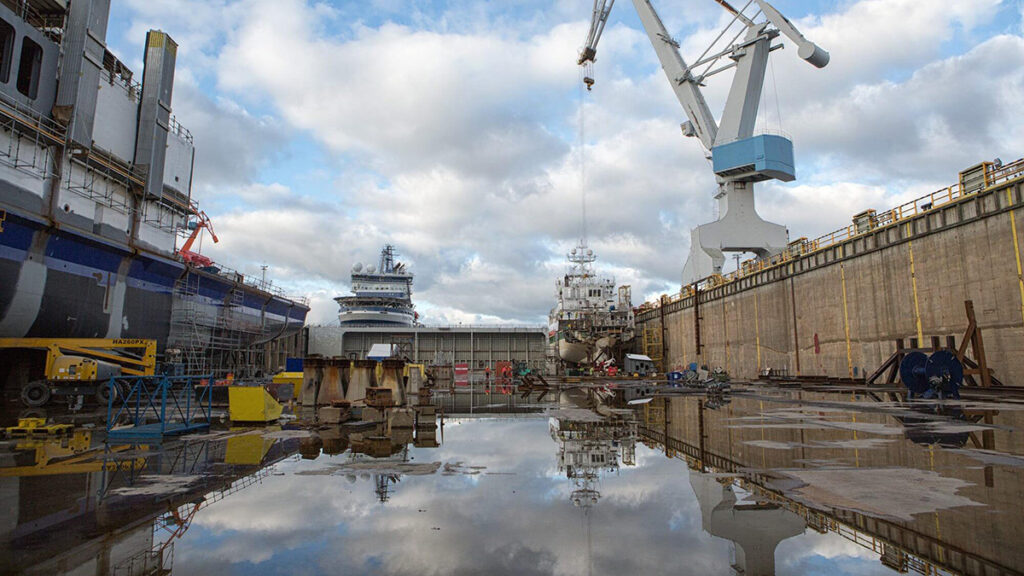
(6, 50)
(29, 67)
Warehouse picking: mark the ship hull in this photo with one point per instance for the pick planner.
(572, 352)
(66, 284)
(376, 317)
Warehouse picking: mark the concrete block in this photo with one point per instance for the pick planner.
(331, 415)
(402, 418)
(371, 414)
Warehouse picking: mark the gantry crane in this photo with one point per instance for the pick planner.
(738, 156)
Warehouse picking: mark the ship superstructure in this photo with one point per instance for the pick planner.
(591, 315)
(382, 295)
(95, 190)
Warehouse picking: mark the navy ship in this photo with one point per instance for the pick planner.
(95, 191)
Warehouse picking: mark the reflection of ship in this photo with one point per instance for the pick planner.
(95, 187)
(590, 445)
(382, 295)
(590, 319)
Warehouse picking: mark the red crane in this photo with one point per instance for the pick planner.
(197, 226)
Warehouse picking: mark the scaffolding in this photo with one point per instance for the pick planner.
(31, 138)
(186, 322)
(213, 337)
(653, 344)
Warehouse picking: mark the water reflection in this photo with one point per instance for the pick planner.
(786, 483)
(916, 484)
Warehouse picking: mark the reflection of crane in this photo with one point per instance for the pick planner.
(756, 528)
(739, 157)
(200, 223)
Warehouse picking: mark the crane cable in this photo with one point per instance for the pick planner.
(582, 159)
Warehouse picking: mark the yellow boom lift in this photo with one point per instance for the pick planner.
(82, 366)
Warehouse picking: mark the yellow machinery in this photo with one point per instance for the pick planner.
(82, 366)
(415, 367)
(248, 449)
(33, 427)
(252, 404)
(70, 453)
(293, 378)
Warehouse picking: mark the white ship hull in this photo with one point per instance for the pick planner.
(573, 352)
(375, 317)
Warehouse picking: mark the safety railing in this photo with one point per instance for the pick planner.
(993, 175)
(26, 117)
(132, 88)
(179, 130)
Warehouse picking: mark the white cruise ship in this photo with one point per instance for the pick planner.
(381, 295)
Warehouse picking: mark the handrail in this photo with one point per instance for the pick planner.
(993, 176)
(527, 328)
(179, 130)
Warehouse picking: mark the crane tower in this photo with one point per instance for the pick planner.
(738, 156)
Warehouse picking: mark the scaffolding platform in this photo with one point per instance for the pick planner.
(151, 407)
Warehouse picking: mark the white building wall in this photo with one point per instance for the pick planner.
(117, 109)
(159, 239)
(32, 161)
(178, 164)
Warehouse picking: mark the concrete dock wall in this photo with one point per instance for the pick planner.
(478, 346)
(836, 311)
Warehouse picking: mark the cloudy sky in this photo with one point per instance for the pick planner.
(451, 129)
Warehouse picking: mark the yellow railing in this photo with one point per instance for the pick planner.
(992, 176)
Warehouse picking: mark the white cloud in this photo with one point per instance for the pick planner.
(453, 135)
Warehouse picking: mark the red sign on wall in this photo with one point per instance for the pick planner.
(462, 374)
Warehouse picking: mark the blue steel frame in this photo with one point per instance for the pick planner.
(142, 398)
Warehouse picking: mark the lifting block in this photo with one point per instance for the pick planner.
(252, 404)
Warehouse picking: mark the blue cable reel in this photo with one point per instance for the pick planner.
(937, 376)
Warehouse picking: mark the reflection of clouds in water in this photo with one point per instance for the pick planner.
(647, 519)
(815, 553)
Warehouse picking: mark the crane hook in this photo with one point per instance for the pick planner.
(588, 74)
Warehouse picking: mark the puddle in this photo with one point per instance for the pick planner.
(541, 488)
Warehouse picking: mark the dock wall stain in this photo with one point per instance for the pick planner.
(792, 317)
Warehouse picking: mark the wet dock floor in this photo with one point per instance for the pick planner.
(759, 481)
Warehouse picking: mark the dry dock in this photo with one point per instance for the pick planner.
(834, 306)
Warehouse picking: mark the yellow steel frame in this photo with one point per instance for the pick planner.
(99, 348)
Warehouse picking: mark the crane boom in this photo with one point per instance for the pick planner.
(739, 157)
(702, 122)
(598, 19)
